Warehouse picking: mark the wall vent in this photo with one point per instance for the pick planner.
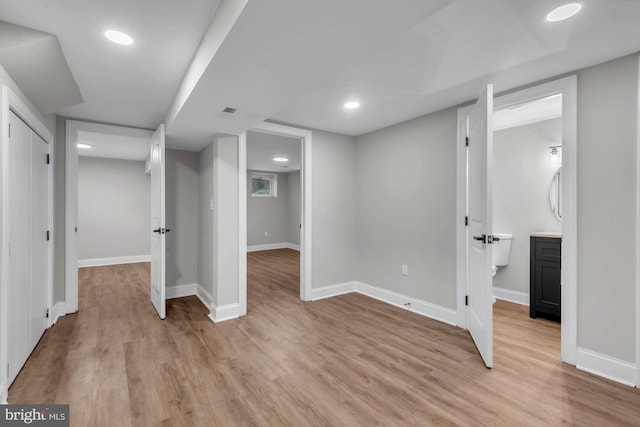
(230, 110)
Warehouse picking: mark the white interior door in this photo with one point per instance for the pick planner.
(28, 245)
(39, 237)
(19, 322)
(158, 230)
(479, 283)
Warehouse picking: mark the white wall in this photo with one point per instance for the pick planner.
(406, 201)
(607, 167)
(334, 209)
(225, 220)
(293, 212)
(113, 208)
(522, 174)
(268, 214)
(206, 259)
(182, 204)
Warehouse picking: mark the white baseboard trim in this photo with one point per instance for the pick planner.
(204, 296)
(433, 311)
(272, 246)
(59, 309)
(516, 297)
(98, 262)
(332, 290)
(181, 291)
(224, 312)
(606, 366)
(187, 290)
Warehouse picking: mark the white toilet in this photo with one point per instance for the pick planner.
(501, 252)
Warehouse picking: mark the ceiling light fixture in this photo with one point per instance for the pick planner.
(119, 37)
(280, 159)
(351, 105)
(83, 146)
(563, 12)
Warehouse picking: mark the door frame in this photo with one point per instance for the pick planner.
(305, 213)
(71, 201)
(568, 87)
(11, 102)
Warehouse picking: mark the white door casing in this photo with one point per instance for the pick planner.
(158, 230)
(479, 285)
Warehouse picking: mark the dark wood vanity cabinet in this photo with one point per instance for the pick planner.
(545, 290)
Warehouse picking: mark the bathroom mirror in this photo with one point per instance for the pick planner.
(555, 194)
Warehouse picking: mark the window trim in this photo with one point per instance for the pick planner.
(273, 187)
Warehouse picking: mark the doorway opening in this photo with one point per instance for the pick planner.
(109, 200)
(275, 201)
(527, 226)
(274, 196)
(482, 195)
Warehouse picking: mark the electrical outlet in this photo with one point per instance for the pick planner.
(211, 204)
(405, 270)
(266, 234)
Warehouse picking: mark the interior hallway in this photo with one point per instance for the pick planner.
(349, 360)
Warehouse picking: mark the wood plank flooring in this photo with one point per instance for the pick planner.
(343, 361)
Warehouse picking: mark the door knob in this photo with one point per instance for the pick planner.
(159, 231)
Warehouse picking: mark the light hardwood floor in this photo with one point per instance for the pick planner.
(343, 361)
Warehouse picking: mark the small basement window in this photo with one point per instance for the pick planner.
(264, 185)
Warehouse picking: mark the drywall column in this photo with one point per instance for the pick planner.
(225, 225)
(607, 167)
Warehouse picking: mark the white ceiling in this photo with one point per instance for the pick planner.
(126, 85)
(447, 58)
(113, 146)
(36, 63)
(298, 61)
(530, 112)
(263, 147)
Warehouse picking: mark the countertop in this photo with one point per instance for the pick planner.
(550, 234)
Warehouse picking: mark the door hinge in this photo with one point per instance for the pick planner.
(466, 300)
(466, 221)
(466, 141)
(48, 159)
(47, 313)
(48, 235)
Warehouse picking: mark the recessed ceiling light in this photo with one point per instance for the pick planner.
(118, 37)
(81, 145)
(351, 105)
(280, 159)
(563, 12)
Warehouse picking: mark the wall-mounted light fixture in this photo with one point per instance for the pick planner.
(555, 154)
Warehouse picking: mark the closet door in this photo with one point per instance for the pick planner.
(39, 243)
(19, 324)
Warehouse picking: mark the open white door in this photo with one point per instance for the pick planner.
(158, 230)
(480, 238)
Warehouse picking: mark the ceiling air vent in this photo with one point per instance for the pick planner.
(230, 110)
